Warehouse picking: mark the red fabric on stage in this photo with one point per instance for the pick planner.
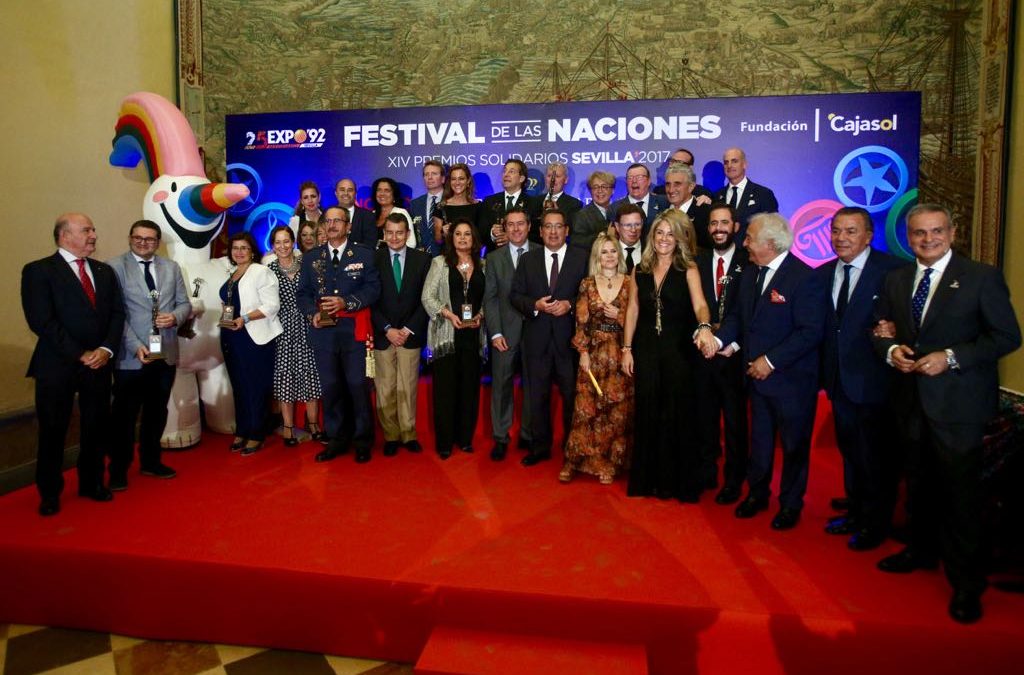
(367, 560)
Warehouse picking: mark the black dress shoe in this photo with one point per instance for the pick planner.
(750, 507)
(965, 607)
(444, 453)
(499, 450)
(326, 455)
(906, 561)
(786, 518)
(536, 458)
(840, 504)
(841, 525)
(362, 455)
(156, 471)
(391, 448)
(466, 448)
(414, 446)
(117, 483)
(97, 494)
(865, 539)
(49, 507)
(690, 497)
(729, 494)
(238, 444)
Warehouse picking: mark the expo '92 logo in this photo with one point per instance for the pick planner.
(872, 177)
(265, 139)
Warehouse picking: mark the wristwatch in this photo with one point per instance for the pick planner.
(951, 360)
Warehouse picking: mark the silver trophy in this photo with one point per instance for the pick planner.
(156, 348)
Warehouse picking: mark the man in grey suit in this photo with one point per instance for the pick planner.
(154, 294)
(505, 325)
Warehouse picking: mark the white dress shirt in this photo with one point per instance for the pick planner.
(856, 267)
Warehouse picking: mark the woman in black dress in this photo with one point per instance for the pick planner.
(453, 297)
(666, 306)
(457, 202)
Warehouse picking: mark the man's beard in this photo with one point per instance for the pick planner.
(724, 245)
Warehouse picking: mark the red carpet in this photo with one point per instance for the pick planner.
(369, 560)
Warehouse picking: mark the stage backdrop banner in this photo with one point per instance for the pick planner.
(817, 153)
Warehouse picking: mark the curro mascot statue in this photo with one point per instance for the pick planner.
(190, 211)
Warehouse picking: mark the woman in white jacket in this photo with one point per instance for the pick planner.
(249, 325)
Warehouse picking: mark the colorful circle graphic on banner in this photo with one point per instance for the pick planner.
(250, 178)
(812, 231)
(265, 218)
(872, 177)
(896, 225)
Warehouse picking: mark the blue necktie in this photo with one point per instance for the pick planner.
(150, 281)
(921, 296)
(844, 292)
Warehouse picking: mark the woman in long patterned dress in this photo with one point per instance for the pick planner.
(295, 376)
(666, 307)
(601, 438)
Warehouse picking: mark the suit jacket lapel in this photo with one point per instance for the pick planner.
(944, 292)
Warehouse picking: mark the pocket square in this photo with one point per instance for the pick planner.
(751, 202)
(777, 298)
(955, 284)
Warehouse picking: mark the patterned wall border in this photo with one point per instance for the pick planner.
(993, 140)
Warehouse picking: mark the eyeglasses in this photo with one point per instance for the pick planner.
(553, 226)
(630, 226)
(600, 186)
(144, 240)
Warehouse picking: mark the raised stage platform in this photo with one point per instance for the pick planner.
(468, 565)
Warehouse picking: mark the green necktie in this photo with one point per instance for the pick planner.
(396, 267)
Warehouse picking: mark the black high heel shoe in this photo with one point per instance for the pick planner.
(252, 449)
(315, 432)
(238, 444)
(290, 441)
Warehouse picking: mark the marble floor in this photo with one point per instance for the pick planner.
(25, 650)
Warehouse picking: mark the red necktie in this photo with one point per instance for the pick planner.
(83, 276)
(719, 273)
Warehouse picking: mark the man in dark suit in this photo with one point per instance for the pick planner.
(340, 279)
(856, 381)
(423, 207)
(494, 207)
(778, 322)
(554, 197)
(720, 379)
(505, 326)
(952, 322)
(743, 194)
(684, 156)
(629, 223)
(679, 185)
(154, 296)
(638, 185)
(399, 333)
(544, 290)
(595, 217)
(363, 224)
(73, 304)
